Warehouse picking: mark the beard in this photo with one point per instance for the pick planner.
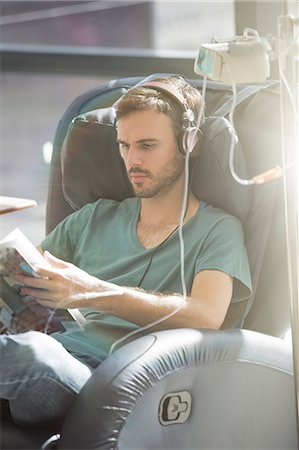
(154, 184)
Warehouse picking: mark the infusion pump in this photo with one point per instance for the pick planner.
(242, 59)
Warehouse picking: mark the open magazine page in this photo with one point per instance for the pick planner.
(22, 313)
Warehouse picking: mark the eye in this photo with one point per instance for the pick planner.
(123, 147)
(147, 145)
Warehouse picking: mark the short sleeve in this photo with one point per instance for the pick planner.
(224, 249)
(63, 239)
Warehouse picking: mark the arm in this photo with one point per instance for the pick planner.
(68, 286)
(204, 308)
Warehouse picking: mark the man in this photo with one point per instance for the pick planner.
(124, 261)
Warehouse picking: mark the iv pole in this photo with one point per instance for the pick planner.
(218, 61)
(289, 82)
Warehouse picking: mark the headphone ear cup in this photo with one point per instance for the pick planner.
(191, 141)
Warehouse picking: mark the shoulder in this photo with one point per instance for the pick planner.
(216, 219)
(98, 210)
(106, 206)
(105, 210)
(215, 228)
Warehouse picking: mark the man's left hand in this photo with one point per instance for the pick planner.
(64, 285)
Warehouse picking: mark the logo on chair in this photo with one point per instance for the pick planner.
(175, 407)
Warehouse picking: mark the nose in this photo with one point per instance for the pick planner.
(133, 157)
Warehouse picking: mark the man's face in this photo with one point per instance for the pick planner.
(150, 152)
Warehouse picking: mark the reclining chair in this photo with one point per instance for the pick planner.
(187, 388)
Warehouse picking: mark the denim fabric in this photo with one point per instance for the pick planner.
(38, 376)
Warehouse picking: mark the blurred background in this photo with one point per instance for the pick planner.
(51, 51)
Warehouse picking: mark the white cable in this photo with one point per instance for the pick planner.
(74, 312)
(290, 94)
(244, 182)
(181, 239)
(180, 230)
(49, 320)
(182, 271)
(203, 96)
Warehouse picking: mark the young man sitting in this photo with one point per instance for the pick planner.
(120, 263)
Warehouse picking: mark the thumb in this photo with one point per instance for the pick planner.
(54, 261)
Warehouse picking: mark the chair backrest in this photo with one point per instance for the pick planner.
(86, 166)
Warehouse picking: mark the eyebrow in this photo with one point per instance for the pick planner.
(140, 141)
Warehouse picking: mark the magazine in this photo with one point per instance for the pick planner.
(23, 313)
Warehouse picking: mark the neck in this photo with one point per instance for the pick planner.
(165, 208)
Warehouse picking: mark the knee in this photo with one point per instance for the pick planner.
(33, 348)
(40, 354)
(44, 349)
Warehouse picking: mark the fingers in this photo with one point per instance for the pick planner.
(46, 297)
(37, 293)
(52, 287)
(40, 288)
(56, 263)
(45, 272)
(38, 283)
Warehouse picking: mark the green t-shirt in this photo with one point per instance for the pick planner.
(101, 239)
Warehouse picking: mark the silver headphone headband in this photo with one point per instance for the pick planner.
(159, 85)
(188, 114)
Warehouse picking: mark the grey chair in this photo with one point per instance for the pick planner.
(189, 389)
(185, 388)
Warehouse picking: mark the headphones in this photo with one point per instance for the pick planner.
(190, 138)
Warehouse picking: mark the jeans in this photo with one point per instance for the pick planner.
(38, 376)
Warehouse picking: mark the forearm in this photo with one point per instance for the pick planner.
(67, 286)
(132, 304)
(142, 308)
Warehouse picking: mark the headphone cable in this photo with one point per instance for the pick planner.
(182, 259)
(181, 239)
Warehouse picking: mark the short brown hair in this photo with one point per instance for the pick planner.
(143, 97)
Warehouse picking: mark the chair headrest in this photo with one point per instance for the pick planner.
(92, 167)
(211, 178)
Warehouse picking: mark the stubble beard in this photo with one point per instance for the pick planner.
(167, 176)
